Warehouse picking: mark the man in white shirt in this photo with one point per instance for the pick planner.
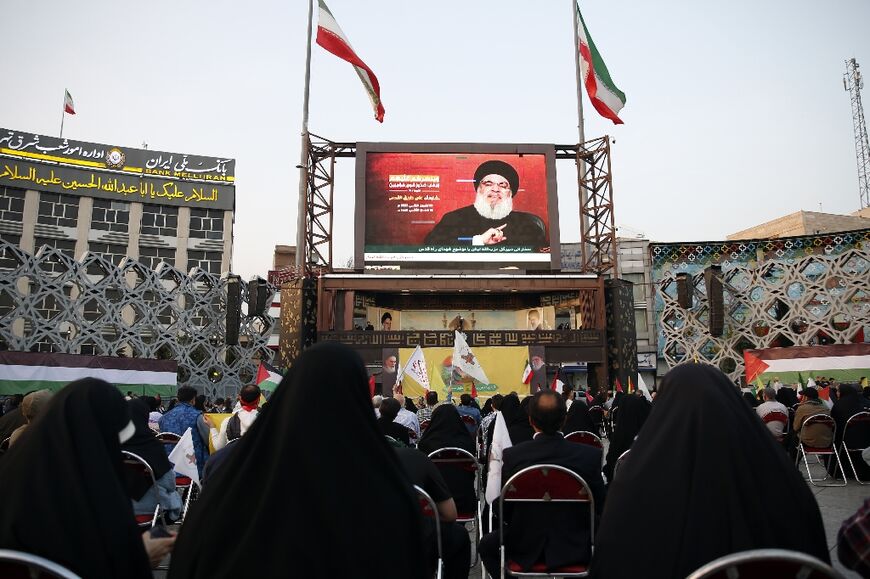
(771, 405)
(238, 424)
(407, 418)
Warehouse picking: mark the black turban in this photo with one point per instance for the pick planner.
(498, 168)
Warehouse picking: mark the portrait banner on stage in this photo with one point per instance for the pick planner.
(503, 366)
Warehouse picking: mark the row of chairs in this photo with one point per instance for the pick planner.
(856, 437)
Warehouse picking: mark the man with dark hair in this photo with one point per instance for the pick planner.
(387, 323)
(466, 408)
(553, 534)
(816, 435)
(183, 416)
(386, 421)
(425, 413)
(238, 424)
(491, 220)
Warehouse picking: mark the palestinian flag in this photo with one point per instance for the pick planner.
(22, 372)
(332, 38)
(607, 99)
(843, 362)
(268, 377)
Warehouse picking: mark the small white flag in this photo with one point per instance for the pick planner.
(642, 387)
(68, 106)
(416, 369)
(183, 457)
(465, 360)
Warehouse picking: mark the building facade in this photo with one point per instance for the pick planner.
(116, 202)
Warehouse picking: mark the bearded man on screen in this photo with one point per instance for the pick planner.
(491, 220)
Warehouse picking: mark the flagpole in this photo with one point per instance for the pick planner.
(580, 129)
(62, 116)
(301, 221)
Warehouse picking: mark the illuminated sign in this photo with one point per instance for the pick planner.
(52, 164)
(485, 206)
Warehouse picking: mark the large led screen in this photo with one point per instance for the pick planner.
(484, 206)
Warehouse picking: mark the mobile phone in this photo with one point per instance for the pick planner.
(159, 532)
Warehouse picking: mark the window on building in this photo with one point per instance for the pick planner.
(639, 288)
(110, 215)
(7, 259)
(108, 251)
(206, 223)
(66, 246)
(640, 324)
(151, 257)
(12, 204)
(58, 209)
(209, 261)
(159, 220)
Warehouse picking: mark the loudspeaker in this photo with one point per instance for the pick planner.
(684, 291)
(715, 299)
(234, 310)
(258, 297)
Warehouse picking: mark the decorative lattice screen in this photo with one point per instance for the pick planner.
(779, 292)
(52, 303)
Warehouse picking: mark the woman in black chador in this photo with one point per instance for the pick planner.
(704, 479)
(297, 499)
(63, 485)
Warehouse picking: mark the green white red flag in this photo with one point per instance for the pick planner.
(268, 377)
(332, 38)
(68, 106)
(607, 99)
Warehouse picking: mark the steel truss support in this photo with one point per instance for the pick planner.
(320, 176)
(595, 188)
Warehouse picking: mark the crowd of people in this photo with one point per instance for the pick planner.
(697, 474)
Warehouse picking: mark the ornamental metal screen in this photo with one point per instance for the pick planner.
(52, 303)
(798, 291)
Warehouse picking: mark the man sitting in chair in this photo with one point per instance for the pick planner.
(556, 537)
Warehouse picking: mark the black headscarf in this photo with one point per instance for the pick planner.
(517, 419)
(321, 500)
(64, 480)
(786, 396)
(446, 429)
(633, 412)
(578, 418)
(144, 442)
(705, 481)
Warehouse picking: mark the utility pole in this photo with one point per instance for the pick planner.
(853, 83)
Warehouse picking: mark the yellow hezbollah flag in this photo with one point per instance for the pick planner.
(498, 362)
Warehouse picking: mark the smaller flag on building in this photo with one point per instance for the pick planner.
(183, 458)
(527, 373)
(268, 377)
(68, 105)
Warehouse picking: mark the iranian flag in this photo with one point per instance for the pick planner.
(268, 377)
(332, 38)
(527, 374)
(22, 372)
(607, 99)
(68, 104)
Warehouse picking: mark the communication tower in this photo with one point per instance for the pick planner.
(853, 83)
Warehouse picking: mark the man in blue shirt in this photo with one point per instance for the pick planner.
(467, 408)
(184, 415)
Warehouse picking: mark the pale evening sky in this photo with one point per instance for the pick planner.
(736, 111)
